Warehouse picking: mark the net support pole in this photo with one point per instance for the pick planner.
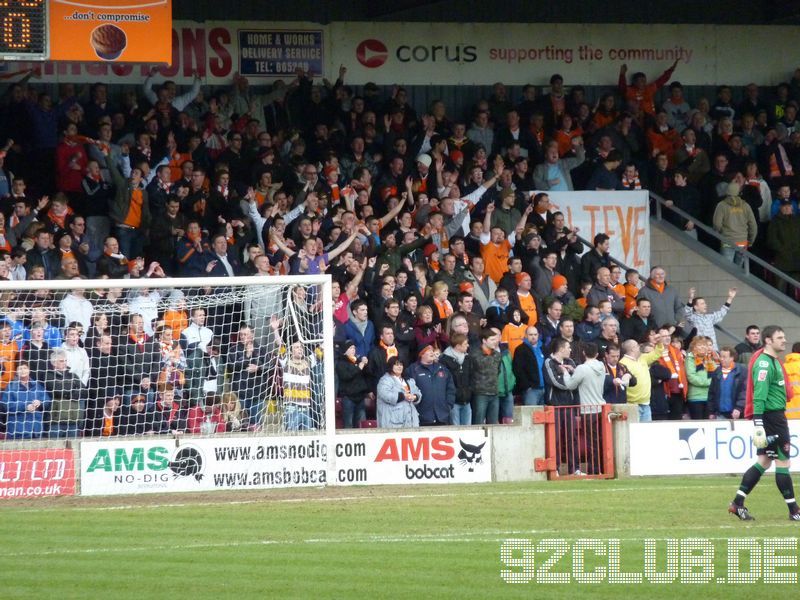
(330, 395)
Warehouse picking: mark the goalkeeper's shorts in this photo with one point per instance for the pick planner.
(775, 424)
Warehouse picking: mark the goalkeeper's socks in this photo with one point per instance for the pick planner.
(749, 481)
(784, 482)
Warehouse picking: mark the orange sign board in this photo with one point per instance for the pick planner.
(111, 30)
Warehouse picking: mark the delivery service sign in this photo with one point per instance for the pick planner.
(111, 30)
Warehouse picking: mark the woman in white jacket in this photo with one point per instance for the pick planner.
(397, 398)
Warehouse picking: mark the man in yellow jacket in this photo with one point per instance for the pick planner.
(638, 365)
(792, 365)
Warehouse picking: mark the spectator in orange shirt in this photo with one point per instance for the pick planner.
(640, 91)
(565, 134)
(616, 283)
(663, 138)
(514, 331)
(8, 355)
(631, 287)
(496, 247)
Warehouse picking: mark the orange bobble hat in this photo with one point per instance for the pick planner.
(558, 282)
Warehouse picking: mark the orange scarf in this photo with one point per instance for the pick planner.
(673, 360)
(444, 307)
(391, 351)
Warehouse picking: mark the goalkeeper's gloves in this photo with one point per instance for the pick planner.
(759, 435)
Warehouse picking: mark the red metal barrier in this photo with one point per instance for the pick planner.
(578, 442)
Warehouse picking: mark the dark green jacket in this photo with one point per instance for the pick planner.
(121, 203)
(783, 238)
(394, 256)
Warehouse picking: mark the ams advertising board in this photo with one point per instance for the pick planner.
(698, 447)
(196, 465)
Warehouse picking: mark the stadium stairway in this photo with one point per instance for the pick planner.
(689, 263)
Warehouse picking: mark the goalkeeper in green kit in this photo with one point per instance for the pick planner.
(767, 392)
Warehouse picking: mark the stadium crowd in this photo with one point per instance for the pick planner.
(456, 287)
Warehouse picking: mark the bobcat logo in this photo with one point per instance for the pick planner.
(187, 462)
(470, 455)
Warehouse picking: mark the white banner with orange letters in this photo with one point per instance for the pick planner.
(623, 216)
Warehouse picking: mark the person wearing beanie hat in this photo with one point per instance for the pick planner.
(559, 282)
(735, 222)
(561, 291)
(425, 160)
(353, 384)
(436, 385)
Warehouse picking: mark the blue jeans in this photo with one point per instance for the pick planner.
(645, 416)
(97, 230)
(254, 411)
(461, 414)
(507, 407)
(732, 254)
(533, 397)
(485, 408)
(296, 418)
(131, 242)
(353, 413)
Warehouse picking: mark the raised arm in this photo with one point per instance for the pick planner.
(184, 100)
(252, 211)
(147, 87)
(486, 235)
(276, 238)
(394, 212)
(665, 76)
(622, 82)
(717, 316)
(352, 287)
(346, 244)
(520, 227)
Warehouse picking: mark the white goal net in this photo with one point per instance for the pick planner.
(119, 358)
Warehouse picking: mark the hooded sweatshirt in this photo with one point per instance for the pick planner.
(589, 378)
(735, 222)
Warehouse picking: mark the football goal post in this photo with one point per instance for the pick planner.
(95, 359)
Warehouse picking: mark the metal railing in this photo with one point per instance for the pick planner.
(661, 203)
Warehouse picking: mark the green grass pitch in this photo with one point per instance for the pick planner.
(377, 542)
